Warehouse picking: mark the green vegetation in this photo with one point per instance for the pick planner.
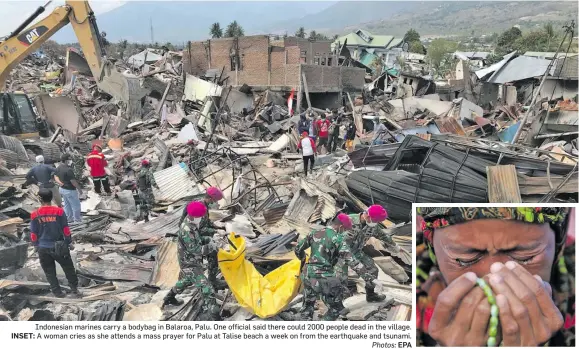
(234, 30)
(215, 31)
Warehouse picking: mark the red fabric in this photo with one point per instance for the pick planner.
(66, 231)
(97, 163)
(196, 209)
(33, 237)
(311, 142)
(346, 221)
(323, 131)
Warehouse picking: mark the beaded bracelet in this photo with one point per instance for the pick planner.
(494, 320)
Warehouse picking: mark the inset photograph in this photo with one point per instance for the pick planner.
(495, 276)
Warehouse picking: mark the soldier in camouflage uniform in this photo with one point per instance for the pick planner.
(207, 228)
(146, 182)
(78, 165)
(319, 276)
(193, 246)
(365, 227)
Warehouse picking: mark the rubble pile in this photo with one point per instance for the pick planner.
(412, 145)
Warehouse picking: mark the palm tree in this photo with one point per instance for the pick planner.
(234, 30)
(301, 33)
(216, 31)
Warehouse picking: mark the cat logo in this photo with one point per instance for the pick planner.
(31, 35)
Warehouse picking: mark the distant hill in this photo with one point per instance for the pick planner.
(179, 22)
(452, 18)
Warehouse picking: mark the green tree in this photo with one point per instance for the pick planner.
(234, 30)
(411, 36)
(551, 34)
(416, 47)
(313, 35)
(507, 40)
(301, 33)
(439, 55)
(215, 31)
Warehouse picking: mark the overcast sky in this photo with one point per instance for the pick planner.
(15, 12)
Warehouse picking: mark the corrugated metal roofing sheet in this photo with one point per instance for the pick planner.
(174, 183)
(495, 67)
(311, 204)
(520, 68)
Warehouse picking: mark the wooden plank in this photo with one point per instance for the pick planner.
(307, 91)
(357, 118)
(540, 185)
(503, 184)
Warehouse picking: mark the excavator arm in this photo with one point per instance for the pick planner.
(79, 14)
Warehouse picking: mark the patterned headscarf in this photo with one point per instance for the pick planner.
(440, 217)
(557, 217)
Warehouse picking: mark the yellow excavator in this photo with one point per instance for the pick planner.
(17, 115)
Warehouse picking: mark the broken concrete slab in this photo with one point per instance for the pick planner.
(390, 267)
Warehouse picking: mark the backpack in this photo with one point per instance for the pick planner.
(143, 179)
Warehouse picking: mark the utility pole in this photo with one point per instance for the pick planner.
(151, 25)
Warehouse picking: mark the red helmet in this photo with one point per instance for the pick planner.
(145, 162)
(214, 193)
(196, 209)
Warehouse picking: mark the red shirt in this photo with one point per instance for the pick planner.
(323, 127)
(97, 163)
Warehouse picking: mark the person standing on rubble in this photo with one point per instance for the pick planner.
(312, 121)
(193, 246)
(379, 131)
(318, 275)
(308, 148)
(77, 164)
(43, 176)
(303, 124)
(208, 229)
(97, 163)
(323, 128)
(146, 182)
(50, 236)
(70, 189)
(334, 131)
(350, 135)
(366, 226)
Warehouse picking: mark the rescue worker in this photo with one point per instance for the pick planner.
(50, 236)
(43, 176)
(303, 124)
(193, 246)
(323, 127)
(319, 273)
(365, 226)
(207, 228)
(350, 135)
(146, 182)
(97, 163)
(77, 164)
(334, 131)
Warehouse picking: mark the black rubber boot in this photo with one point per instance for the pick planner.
(59, 294)
(373, 297)
(170, 299)
(75, 292)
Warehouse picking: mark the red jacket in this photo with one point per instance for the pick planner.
(97, 163)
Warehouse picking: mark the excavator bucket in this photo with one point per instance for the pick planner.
(264, 296)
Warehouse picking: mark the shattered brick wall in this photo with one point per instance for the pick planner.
(333, 79)
(198, 61)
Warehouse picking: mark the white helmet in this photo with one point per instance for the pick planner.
(39, 159)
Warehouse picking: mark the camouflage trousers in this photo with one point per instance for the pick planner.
(212, 269)
(147, 201)
(329, 289)
(193, 276)
(366, 269)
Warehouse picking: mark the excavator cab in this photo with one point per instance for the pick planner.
(18, 117)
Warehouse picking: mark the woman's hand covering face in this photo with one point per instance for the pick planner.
(461, 315)
(527, 313)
